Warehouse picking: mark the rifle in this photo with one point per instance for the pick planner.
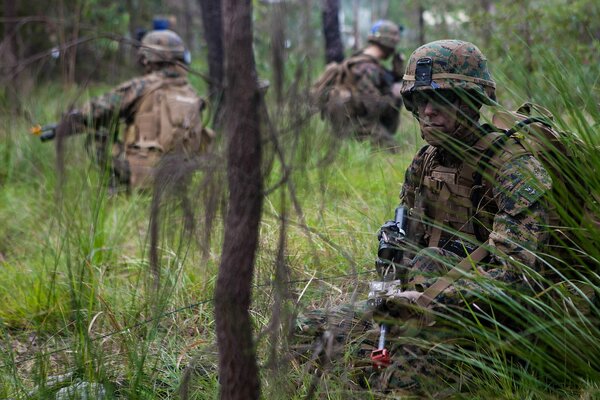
(389, 254)
(392, 236)
(45, 133)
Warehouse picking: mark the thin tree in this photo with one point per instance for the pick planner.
(355, 24)
(334, 49)
(278, 48)
(238, 371)
(213, 34)
(421, 24)
(9, 53)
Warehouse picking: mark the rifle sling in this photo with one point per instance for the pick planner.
(443, 282)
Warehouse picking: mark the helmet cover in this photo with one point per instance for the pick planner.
(448, 64)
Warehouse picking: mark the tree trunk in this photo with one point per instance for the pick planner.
(334, 49)
(421, 12)
(307, 43)
(213, 34)
(72, 49)
(355, 25)
(384, 6)
(488, 9)
(132, 48)
(9, 54)
(188, 24)
(278, 49)
(238, 371)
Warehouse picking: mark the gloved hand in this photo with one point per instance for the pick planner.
(70, 124)
(401, 313)
(399, 305)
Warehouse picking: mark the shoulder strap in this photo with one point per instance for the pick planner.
(152, 88)
(494, 150)
(445, 281)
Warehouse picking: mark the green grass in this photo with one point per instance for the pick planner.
(77, 291)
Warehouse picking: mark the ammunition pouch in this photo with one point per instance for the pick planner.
(142, 163)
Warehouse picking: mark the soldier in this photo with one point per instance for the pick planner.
(162, 112)
(368, 104)
(470, 185)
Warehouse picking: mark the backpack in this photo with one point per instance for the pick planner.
(334, 91)
(563, 155)
(167, 119)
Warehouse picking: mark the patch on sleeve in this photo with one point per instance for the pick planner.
(521, 183)
(530, 190)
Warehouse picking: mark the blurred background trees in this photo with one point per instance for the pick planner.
(81, 40)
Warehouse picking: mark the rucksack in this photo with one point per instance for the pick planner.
(334, 91)
(167, 119)
(563, 155)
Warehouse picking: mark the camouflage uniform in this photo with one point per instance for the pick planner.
(139, 102)
(376, 112)
(512, 215)
(357, 96)
(458, 202)
(509, 212)
(122, 103)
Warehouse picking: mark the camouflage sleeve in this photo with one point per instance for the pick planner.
(118, 103)
(374, 92)
(519, 226)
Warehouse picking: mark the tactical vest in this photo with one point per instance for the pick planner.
(167, 119)
(460, 199)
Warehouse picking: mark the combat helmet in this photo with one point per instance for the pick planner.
(448, 64)
(162, 46)
(384, 33)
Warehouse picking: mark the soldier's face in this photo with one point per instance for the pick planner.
(438, 117)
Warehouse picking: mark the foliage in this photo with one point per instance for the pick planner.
(74, 279)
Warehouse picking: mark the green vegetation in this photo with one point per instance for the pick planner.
(78, 298)
(77, 292)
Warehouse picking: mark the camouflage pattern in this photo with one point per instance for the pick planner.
(326, 336)
(375, 111)
(162, 46)
(512, 203)
(454, 65)
(515, 229)
(440, 189)
(123, 103)
(384, 33)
